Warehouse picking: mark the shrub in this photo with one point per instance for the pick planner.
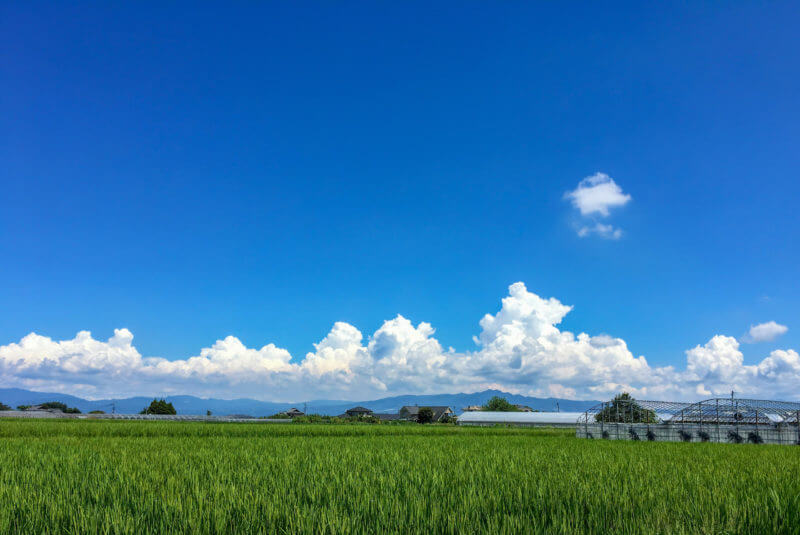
(97, 412)
(4, 407)
(159, 406)
(754, 438)
(733, 436)
(425, 415)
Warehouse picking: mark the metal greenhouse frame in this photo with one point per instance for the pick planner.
(713, 420)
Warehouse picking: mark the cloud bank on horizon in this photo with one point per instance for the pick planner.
(520, 349)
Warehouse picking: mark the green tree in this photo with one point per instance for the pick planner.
(624, 409)
(159, 406)
(59, 406)
(425, 415)
(56, 405)
(97, 412)
(498, 404)
(4, 407)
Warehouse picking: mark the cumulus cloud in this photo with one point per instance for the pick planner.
(764, 332)
(519, 349)
(597, 194)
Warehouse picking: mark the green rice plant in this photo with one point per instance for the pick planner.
(126, 477)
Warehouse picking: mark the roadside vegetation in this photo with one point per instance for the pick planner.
(84, 476)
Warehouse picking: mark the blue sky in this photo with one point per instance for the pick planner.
(263, 171)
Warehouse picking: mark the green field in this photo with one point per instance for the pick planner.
(140, 477)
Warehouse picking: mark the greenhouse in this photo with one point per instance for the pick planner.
(523, 419)
(712, 420)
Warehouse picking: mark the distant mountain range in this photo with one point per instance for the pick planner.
(252, 407)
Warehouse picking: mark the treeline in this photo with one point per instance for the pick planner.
(50, 405)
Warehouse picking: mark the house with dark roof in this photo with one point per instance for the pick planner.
(411, 412)
(356, 412)
(293, 413)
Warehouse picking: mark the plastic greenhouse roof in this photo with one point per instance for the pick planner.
(520, 417)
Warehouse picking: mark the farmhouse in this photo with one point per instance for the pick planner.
(411, 412)
(293, 413)
(355, 412)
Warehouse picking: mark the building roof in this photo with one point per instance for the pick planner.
(358, 409)
(530, 418)
(294, 412)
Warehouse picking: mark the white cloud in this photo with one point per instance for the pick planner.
(764, 332)
(604, 231)
(597, 194)
(520, 349)
(718, 366)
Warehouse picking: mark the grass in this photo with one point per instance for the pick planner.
(168, 477)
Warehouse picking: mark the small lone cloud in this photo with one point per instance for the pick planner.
(597, 194)
(764, 332)
(594, 198)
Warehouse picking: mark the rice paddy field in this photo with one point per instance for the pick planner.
(78, 476)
